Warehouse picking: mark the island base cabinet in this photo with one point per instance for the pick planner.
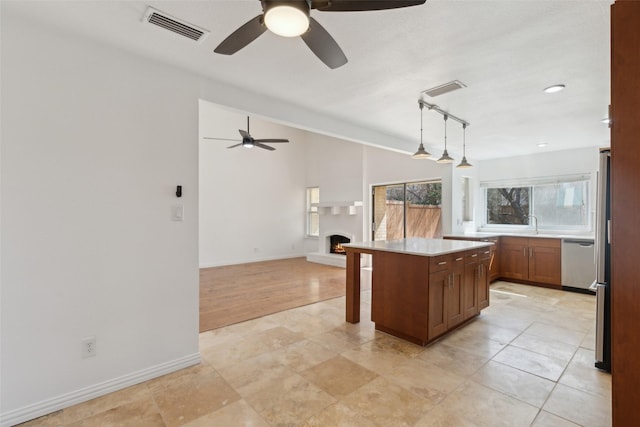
(438, 303)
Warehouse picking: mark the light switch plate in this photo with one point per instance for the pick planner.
(177, 213)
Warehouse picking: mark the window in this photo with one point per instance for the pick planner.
(313, 223)
(409, 209)
(556, 204)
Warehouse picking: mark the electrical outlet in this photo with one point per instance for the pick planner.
(89, 347)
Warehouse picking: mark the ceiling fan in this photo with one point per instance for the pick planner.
(248, 141)
(292, 18)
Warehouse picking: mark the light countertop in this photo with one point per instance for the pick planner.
(486, 235)
(419, 246)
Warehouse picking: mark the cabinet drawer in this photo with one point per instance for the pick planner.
(484, 253)
(472, 256)
(543, 242)
(439, 263)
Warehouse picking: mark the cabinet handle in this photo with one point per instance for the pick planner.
(442, 262)
(474, 255)
(459, 259)
(524, 251)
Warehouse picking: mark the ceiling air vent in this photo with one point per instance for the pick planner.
(445, 88)
(168, 22)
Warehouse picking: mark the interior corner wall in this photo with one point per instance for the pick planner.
(252, 201)
(94, 142)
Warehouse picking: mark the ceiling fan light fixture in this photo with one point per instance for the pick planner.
(287, 19)
(247, 144)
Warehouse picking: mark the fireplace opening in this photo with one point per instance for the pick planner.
(335, 244)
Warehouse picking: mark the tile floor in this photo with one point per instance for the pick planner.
(526, 361)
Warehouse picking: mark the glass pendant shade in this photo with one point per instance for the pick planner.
(421, 153)
(445, 156)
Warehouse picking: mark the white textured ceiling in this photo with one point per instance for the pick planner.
(505, 51)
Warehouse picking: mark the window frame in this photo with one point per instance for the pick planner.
(311, 211)
(532, 183)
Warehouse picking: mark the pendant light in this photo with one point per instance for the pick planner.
(464, 164)
(445, 156)
(421, 153)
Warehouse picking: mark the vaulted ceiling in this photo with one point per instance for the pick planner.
(506, 52)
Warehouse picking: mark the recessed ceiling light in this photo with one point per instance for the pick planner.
(554, 88)
(542, 144)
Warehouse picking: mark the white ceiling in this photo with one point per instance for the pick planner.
(505, 51)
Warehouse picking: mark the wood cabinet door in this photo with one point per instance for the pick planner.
(438, 303)
(470, 289)
(495, 269)
(514, 258)
(455, 307)
(483, 283)
(545, 265)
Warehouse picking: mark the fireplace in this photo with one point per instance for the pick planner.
(335, 244)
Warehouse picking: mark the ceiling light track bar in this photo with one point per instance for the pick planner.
(437, 109)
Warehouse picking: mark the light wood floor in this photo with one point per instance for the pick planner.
(236, 293)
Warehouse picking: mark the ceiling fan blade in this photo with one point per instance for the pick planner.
(362, 5)
(271, 140)
(234, 146)
(323, 45)
(242, 36)
(244, 133)
(219, 139)
(266, 147)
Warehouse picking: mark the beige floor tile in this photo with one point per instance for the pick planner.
(339, 376)
(238, 413)
(546, 346)
(527, 387)
(453, 359)
(216, 337)
(545, 419)
(584, 357)
(589, 340)
(339, 340)
(376, 358)
(534, 363)
(105, 403)
(441, 417)
(426, 380)
(582, 408)
(252, 375)
(501, 334)
(472, 343)
(589, 379)
(290, 402)
(226, 354)
(483, 406)
(275, 338)
(141, 413)
(387, 404)
(55, 419)
(183, 376)
(185, 400)
(303, 355)
(339, 415)
(556, 332)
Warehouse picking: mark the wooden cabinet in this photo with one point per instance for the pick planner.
(470, 288)
(445, 294)
(495, 270)
(533, 259)
(484, 278)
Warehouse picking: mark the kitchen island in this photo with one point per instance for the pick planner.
(421, 288)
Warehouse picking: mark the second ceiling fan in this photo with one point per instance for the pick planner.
(292, 18)
(248, 141)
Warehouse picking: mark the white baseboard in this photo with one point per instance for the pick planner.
(66, 400)
(250, 260)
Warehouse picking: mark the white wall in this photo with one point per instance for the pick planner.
(252, 201)
(94, 142)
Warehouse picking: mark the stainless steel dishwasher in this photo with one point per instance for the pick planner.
(578, 264)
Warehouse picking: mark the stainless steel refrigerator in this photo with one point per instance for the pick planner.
(602, 284)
